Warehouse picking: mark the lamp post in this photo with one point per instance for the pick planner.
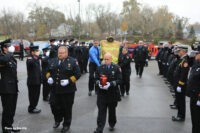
(79, 27)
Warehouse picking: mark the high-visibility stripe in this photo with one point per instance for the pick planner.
(181, 83)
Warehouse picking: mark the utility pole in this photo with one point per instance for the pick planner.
(79, 27)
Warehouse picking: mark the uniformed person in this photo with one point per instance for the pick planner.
(158, 58)
(63, 72)
(9, 86)
(194, 93)
(71, 48)
(53, 49)
(140, 54)
(46, 88)
(94, 59)
(85, 56)
(180, 77)
(34, 79)
(108, 95)
(21, 56)
(125, 64)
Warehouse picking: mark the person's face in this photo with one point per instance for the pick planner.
(62, 54)
(181, 53)
(35, 52)
(124, 51)
(5, 50)
(197, 57)
(51, 43)
(108, 60)
(96, 43)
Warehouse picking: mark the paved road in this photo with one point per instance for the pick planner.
(146, 110)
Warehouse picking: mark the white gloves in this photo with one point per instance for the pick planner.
(198, 103)
(48, 53)
(11, 49)
(178, 89)
(105, 87)
(64, 82)
(147, 60)
(50, 80)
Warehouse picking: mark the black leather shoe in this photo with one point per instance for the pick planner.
(65, 129)
(46, 99)
(177, 118)
(56, 125)
(89, 93)
(111, 129)
(174, 107)
(127, 93)
(98, 131)
(34, 111)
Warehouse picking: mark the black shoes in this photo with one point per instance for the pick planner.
(173, 107)
(177, 118)
(46, 99)
(89, 93)
(56, 125)
(111, 129)
(98, 131)
(34, 111)
(127, 93)
(65, 129)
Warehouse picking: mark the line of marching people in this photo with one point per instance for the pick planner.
(181, 72)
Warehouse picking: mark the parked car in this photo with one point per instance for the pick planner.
(16, 44)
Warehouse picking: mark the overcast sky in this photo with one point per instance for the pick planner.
(185, 8)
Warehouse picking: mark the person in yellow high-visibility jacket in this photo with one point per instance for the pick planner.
(110, 46)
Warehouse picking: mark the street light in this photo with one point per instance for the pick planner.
(79, 34)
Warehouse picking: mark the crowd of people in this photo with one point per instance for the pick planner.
(61, 65)
(180, 70)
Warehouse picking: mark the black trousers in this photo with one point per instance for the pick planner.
(139, 66)
(33, 95)
(9, 102)
(195, 115)
(102, 113)
(180, 99)
(125, 83)
(65, 103)
(55, 109)
(46, 89)
(85, 65)
(92, 70)
(160, 67)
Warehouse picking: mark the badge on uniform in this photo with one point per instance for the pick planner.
(113, 72)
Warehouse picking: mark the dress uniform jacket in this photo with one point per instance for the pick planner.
(114, 77)
(68, 69)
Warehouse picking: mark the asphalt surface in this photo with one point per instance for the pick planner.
(145, 110)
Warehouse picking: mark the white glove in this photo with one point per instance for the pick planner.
(11, 49)
(198, 103)
(147, 60)
(50, 80)
(178, 89)
(133, 60)
(48, 53)
(106, 86)
(64, 82)
(100, 86)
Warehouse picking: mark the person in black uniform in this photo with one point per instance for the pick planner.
(140, 54)
(125, 64)
(9, 86)
(34, 79)
(180, 77)
(63, 72)
(193, 91)
(53, 49)
(21, 50)
(108, 95)
(85, 56)
(45, 59)
(158, 58)
(72, 49)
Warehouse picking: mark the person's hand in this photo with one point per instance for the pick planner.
(11, 49)
(178, 89)
(50, 80)
(64, 82)
(100, 86)
(106, 86)
(198, 103)
(147, 60)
